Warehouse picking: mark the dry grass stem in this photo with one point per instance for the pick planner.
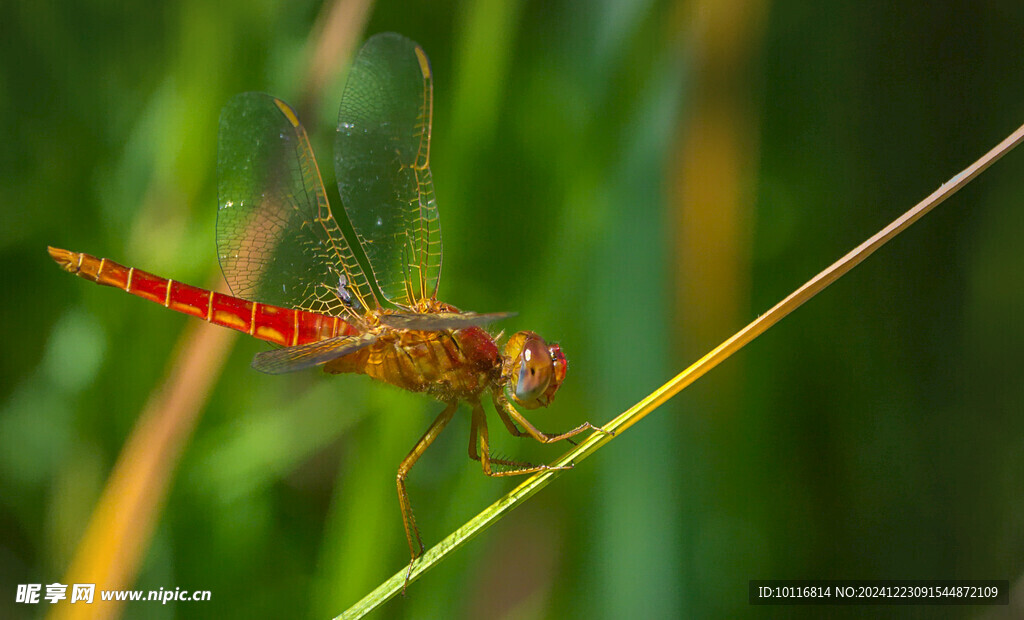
(655, 399)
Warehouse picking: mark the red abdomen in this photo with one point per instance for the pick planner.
(283, 326)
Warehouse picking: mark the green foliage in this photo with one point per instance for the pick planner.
(875, 433)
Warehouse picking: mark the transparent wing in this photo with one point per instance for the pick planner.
(382, 161)
(437, 321)
(290, 359)
(276, 238)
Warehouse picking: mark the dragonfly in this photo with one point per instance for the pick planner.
(355, 293)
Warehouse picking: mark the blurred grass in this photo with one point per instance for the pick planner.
(876, 433)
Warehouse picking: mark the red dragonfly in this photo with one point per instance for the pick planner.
(358, 293)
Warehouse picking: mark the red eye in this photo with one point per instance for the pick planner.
(534, 372)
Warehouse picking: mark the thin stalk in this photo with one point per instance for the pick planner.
(120, 528)
(655, 399)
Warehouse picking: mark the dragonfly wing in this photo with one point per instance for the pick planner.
(441, 320)
(276, 238)
(290, 359)
(382, 163)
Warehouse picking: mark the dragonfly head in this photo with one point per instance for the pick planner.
(535, 369)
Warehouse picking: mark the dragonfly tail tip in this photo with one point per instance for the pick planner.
(63, 258)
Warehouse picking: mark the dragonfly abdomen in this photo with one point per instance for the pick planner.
(283, 326)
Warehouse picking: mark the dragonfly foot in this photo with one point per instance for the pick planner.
(596, 429)
(408, 575)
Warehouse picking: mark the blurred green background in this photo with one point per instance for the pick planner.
(637, 180)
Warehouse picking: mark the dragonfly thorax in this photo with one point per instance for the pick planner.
(447, 364)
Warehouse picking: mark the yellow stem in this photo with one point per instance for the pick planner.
(634, 414)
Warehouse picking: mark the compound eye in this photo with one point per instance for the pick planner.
(535, 369)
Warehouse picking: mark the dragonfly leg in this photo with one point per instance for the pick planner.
(412, 534)
(474, 432)
(515, 468)
(508, 413)
(474, 435)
